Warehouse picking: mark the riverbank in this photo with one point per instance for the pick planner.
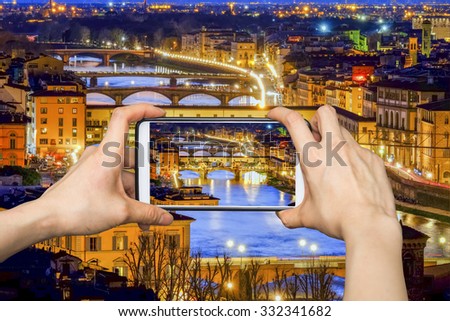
(426, 211)
(280, 185)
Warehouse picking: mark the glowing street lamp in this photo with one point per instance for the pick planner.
(313, 248)
(230, 243)
(241, 249)
(278, 297)
(302, 244)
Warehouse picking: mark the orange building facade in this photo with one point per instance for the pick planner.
(59, 120)
(12, 138)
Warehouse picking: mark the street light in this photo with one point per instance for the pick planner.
(302, 244)
(241, 249)
(277, 297)
(230, 243)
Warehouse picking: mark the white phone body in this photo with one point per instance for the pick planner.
(146, 147)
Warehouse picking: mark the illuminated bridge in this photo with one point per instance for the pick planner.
(174, 94)
(104, 54)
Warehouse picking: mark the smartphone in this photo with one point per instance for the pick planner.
(217, 164)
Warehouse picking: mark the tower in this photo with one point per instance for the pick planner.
(413, 49)
(426, 38)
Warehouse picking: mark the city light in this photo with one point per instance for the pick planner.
(442, 240)
(302, 242)
(277, 297)
(313, 248)
(230, 243)
(229, 285)
(241, 248)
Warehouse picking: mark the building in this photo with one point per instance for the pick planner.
(397, 118)
(107, 249)
(97, 120)
(363, 129)
(58, 120)
(433, 149)
(426, 38)
(440, 25)
(43, 65)
(243, 53)
(12, 138)
(411, 59)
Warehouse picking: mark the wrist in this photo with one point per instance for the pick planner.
(37, 217)
(375, 229)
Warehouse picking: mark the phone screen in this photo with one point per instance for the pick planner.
(221, 163)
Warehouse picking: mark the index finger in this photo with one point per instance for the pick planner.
(295, 124)
(123, 116)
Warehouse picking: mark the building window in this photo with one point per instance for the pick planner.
(43, 100)
(43, 110)
(12, 141)
(67, 141)
(74, 141)
(60, 110)
(74, 110)
(68, 242)
(446, 121)
(43, 121)
(121, 270)
(172, 241)
(61, 100)
(74, 132)
(12, 159)
(74, 100)
(120, 241)
(44, 130)
(43, 141)
(364, 130)
(89, 114)
(60, 132)
(60, 141)
(60, 122)
(74, 122)
(93, 243)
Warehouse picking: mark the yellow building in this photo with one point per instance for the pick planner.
(433, 149)
(107, 249)
(43, 65)
(310, 89)
(243, 53)
(97, 120)
(363, 129)
(12, 138)
(59, 120)
(397, 115)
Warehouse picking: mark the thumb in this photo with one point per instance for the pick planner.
(146, 214)
(293, 218)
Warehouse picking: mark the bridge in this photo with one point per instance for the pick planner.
(174, 94)
(105, 54)
(158, 74)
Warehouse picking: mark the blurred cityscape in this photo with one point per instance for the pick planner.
(64, 68)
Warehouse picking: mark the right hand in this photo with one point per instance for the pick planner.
(344, 195)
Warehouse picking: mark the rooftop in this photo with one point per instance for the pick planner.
(437, 85)
(57, 93)
(441, 105)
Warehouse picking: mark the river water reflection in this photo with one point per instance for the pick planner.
(263, 234)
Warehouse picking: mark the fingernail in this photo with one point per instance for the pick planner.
(144, 227)
(278, 213)
(166, 219)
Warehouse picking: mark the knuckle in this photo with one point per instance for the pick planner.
(292, 118)
(118, 113)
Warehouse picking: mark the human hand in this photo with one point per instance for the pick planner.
(95, 196)
(346, 195)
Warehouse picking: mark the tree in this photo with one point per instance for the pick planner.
(316, 283)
